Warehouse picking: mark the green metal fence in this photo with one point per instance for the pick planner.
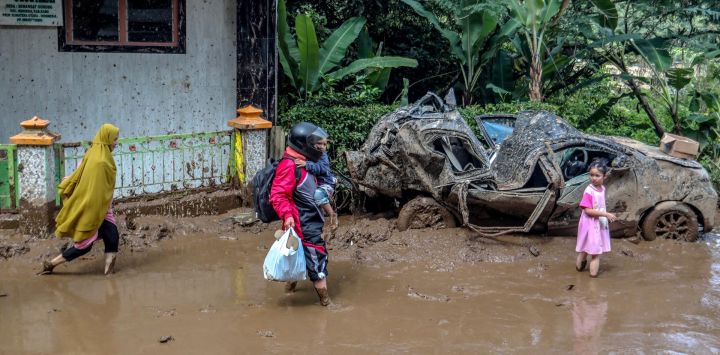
(156, 164)
(9, 192)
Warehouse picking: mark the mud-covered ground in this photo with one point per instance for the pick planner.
(197, 284)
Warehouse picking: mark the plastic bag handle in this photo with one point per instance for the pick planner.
(284, 250)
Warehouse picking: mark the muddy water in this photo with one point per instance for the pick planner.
(206, 290)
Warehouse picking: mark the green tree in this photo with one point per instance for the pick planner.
(306, 64)
(634, 38)
(474, 36)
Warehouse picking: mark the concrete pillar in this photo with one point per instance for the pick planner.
(36, 176)
(250, 142)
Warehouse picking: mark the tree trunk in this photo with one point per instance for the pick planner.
(677, 125)
(536, 78)
(646, 106)
(466, 98)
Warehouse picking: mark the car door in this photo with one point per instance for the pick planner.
(493, 212)
(620, 186)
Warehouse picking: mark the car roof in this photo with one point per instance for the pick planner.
(517, 154)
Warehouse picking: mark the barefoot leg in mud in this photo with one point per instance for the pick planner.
(594, 265)
(322, 292)
(48, 266)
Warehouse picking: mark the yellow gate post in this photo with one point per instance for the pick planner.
(250, 149)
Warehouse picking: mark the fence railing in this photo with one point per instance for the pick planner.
(9, 192)
(156, 164)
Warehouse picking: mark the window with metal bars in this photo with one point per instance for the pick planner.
(146, 26)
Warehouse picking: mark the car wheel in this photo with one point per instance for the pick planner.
(422, 212)
(671, 220)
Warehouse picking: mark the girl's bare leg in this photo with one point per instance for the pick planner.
(594, 265)
(581, 261)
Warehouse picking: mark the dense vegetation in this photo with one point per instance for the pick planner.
(629, 68)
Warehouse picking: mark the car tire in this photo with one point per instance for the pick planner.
(671, 220)
(422, 212)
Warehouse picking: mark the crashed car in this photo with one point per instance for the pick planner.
(523, 173)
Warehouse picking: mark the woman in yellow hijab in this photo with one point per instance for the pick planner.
(86, 214)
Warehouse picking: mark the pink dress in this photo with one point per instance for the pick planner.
(593, 232)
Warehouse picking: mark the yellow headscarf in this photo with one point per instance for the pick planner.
(87, 193)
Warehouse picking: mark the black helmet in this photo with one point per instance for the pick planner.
(303, 137)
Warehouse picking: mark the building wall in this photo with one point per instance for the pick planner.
(143, 94)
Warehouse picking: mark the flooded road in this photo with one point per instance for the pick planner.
(421, 291)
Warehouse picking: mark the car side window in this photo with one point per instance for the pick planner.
(459, 153)
(574, 161)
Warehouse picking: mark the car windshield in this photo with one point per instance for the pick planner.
(497, 130)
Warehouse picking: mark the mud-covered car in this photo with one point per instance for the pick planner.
(522, 173)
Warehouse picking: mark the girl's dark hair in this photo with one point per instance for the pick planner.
(601, 164)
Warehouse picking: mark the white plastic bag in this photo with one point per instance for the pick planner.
(283, 262)
(603, 220)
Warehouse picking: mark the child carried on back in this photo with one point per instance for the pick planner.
(326, 181)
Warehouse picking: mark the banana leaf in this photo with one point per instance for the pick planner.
(608, 16)
(551, 65)
(404, 93)
(711, 101)
(335, 46)
(379, 78)
(501, 74)
(654, 51)
(376, 62)
(365, 45)
(496, 89)
(678, 78)
(507, 30)
(520, 13)
(286, 46)
(309, 65)
(451, 36)
(549, 9)
(475, 29)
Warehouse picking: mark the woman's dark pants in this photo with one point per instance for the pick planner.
(110, 236)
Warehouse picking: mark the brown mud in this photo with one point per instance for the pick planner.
(195, 285)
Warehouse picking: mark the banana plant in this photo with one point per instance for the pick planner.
(534, 18)
(479, 31)
(377, 77)
(306, 63)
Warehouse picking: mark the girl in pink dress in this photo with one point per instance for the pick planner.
(593, 230)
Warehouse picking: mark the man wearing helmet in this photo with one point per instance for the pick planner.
(295, 203)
